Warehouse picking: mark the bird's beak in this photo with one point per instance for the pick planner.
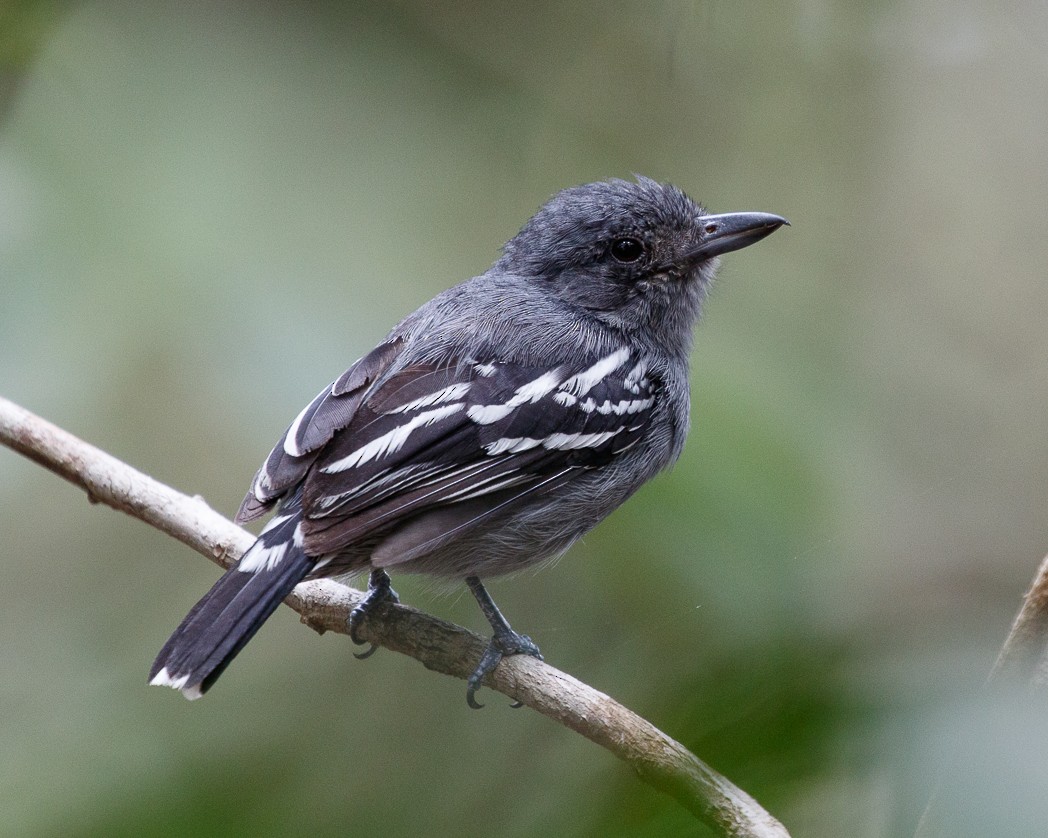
(733, 231)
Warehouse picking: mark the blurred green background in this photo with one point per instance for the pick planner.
(207, 210)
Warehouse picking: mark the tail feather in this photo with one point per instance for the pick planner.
(228, 615)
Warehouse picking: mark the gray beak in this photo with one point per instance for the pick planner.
(733, 231)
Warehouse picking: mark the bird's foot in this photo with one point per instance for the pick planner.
(379, 591)
(503, 644)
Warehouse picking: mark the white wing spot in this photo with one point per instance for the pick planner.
(511, 445)
(624, 407)
(635, 378)
(263, 483)
(485, 370)
(583, 382)
(451, 393)
(605, 408)
(535, 390)
(554, 442)
(486, 414)
(290, 438)
(569, 442)
(391, 441)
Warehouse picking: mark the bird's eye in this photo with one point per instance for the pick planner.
(626, 250)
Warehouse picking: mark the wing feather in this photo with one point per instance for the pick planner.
(421, 453)
(440, 436)
(332, 409)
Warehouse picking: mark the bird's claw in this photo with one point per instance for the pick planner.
(379, 591)
(502, 645)
(367, 653)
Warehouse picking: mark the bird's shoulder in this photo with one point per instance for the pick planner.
(501, 317)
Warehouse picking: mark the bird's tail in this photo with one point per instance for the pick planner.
(228, 616)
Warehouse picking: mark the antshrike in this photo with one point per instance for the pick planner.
(491, 428)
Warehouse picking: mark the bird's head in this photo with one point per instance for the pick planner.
(637, 255)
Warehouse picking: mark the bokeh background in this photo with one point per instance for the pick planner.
(207, 210)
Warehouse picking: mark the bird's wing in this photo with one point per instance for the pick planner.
(469, 438)
(332, 409)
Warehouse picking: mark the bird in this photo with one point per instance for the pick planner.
(491, 428)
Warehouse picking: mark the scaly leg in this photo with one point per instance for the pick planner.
(505, 641)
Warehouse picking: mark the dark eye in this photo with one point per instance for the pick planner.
(626, 250)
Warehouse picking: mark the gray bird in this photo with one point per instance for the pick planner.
(492, 428)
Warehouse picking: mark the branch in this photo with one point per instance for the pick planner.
(1023, 657)
(443, 647)
(1025, 652)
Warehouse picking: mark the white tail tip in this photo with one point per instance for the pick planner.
(163, 679)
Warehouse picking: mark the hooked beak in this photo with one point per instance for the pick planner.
(733, 231)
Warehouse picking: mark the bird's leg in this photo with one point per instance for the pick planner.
(379, 591)
(504, 642)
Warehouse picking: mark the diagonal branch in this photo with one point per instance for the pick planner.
(1023, 658)
(443, 647)
(1025, 651)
